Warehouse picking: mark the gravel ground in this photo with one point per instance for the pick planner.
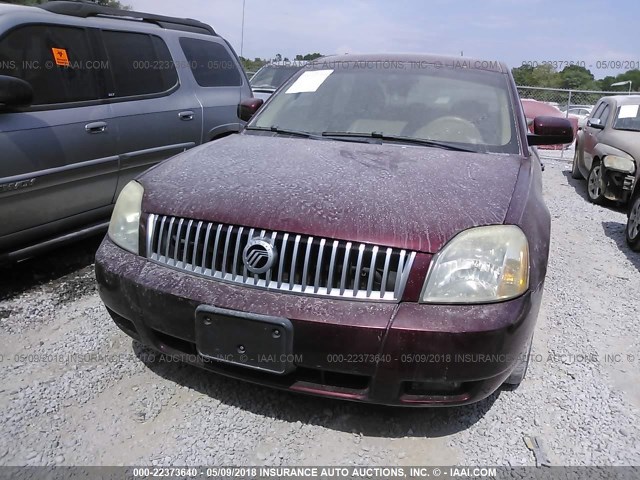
(581, 399)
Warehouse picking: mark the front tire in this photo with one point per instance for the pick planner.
(520, 371)
(633, 225)
(595, 184)
(575, 170)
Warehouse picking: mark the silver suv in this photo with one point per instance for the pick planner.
(90, 97)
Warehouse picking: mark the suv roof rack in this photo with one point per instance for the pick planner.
(89, 9)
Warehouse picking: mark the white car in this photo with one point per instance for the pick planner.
(581, 113)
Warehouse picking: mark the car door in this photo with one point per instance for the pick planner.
(58, 156)
(221, 84)
(157, 117)
(591, 133)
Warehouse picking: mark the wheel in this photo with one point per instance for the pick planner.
(595, 184)
(633, 225)
(575, 171)
(520, 370)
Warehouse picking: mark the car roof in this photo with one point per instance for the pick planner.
(97, 16)
(624, 99)
(444, 60)
(9, 7)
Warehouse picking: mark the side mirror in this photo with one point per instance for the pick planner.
(15, 92)
(595, 123)
(550, 131)
(247, 108)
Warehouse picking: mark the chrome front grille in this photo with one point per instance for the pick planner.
(305, 264)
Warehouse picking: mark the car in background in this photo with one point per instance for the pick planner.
(534, 108)
(375, 234)
(572, 106)
(90, 97)
(632, 232)
(581, 113)
(607, 150)
(269, 78)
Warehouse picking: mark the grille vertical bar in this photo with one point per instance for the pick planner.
(283, 254)
(332, 266)
(237, 252)
(205, 247)
(345, 267)
(372, 270)
(305, 269)
(292, 272)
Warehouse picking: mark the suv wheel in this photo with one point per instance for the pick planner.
(633, 225)
(595, 184)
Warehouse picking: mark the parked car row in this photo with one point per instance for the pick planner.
(362, 233)
(607, 151)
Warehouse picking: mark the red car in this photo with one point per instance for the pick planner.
(534, 108)
(377, 233)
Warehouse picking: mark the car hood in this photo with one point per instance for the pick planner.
(400, 196)
(625, 140)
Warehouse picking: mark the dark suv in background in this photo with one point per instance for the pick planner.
(90, 97)
(271, 76)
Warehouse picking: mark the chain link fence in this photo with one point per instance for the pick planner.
(565, 99)
(572, 103)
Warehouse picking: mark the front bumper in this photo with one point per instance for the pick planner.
(618, 185)
(396, 354)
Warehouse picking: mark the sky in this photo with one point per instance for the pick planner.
(588, 32)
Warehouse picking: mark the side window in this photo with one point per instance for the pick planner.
(597, 111)
(604, 116)
(57, 61)
(211, 63)
(140, 64)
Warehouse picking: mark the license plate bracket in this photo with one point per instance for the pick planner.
(259, 342)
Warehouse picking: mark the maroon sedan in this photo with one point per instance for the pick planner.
(377, 233)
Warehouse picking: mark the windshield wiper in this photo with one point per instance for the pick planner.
(284, 131)
(400, 139)
(302, 134)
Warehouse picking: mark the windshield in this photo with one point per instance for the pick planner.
(458, 106)
(628, 118)
(272, 76)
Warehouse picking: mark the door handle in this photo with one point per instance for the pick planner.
(188, 115)
(95, 127)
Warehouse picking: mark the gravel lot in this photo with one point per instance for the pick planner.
(133, 409)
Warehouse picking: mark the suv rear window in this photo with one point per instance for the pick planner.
(140, 64)
(56, 61)
(211, 63)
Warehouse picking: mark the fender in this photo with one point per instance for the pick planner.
(602, 150)
(223, 131)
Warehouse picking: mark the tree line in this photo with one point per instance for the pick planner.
(573, 77)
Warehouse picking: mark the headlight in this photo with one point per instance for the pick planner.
(479, 265)
(125, 220)
(621, 164)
